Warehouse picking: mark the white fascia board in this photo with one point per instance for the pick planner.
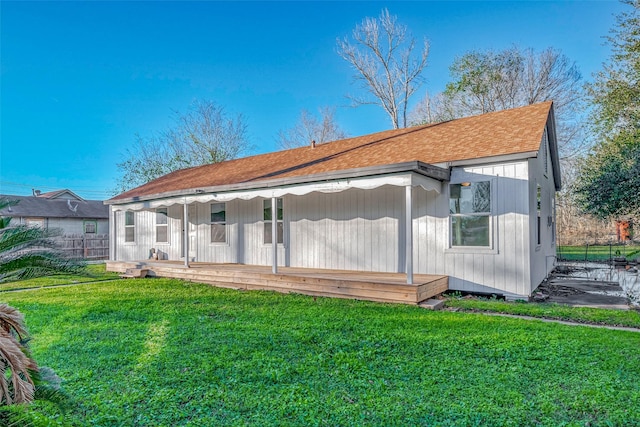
(333, 186)
(438, 173)
(489, 160)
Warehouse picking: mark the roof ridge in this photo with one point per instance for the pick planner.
(516, 130)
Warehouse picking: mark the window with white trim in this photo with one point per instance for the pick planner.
(218, 222)
(268, 218)
(470, 214)
(162, 225)
(129, 226)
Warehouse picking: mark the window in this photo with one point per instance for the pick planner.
(539, 212)
(218, 223)
(35, 222)
(470, 212)
(129, 226)
(90, 227)
(268, 218)
(162, 226)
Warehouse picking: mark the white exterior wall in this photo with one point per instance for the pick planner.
(252, 249)
(543, 256)
(244, 235)
(145, 235)
(214, 252)
(351, 230)
(502, 269)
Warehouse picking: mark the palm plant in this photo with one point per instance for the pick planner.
(16, 367)
(21, 381)
(24, 252)
(27, 252)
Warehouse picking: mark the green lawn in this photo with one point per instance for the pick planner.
(597, 253)
(93, 272)
(160, 352)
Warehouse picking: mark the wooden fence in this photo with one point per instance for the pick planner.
(87, 246)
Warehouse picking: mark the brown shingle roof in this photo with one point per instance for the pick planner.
(500, 133)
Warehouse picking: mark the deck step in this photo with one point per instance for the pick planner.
(135, 273)
(432, 304)
(371, 286)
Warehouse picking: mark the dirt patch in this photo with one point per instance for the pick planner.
(565, 286)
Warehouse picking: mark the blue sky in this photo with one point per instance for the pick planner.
(80, 79)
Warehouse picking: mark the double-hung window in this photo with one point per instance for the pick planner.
(470, 214)
(218, 223)
(162, 226)
(268, 219)
(129, 226)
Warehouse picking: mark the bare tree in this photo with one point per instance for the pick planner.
(382, 54)
(205, 134)
(432, 109)
(485, 81)
(310, 128)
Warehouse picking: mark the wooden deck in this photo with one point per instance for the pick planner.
(383, 287)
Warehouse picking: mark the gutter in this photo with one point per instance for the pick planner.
(425, 169)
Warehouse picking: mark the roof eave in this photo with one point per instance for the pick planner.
(431, 171)
(492, 159)
(553, 149)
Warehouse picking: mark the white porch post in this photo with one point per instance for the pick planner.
(186, 234)
(274, 234)
(408, 251)
(112, 234)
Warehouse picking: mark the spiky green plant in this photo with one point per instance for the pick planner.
(27, 252)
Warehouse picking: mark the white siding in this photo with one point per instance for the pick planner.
(215, 252)
(543, 255)
(505, 269)
(351, 230)
(145, 235)
(251, 247)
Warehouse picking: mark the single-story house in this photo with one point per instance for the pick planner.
(84, 223)
(61, 209)
(472, 199)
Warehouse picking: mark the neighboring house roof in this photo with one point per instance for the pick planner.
(59, 194)
(503, 133)
(42, 207)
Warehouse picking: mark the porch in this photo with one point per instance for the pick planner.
(362, 285)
